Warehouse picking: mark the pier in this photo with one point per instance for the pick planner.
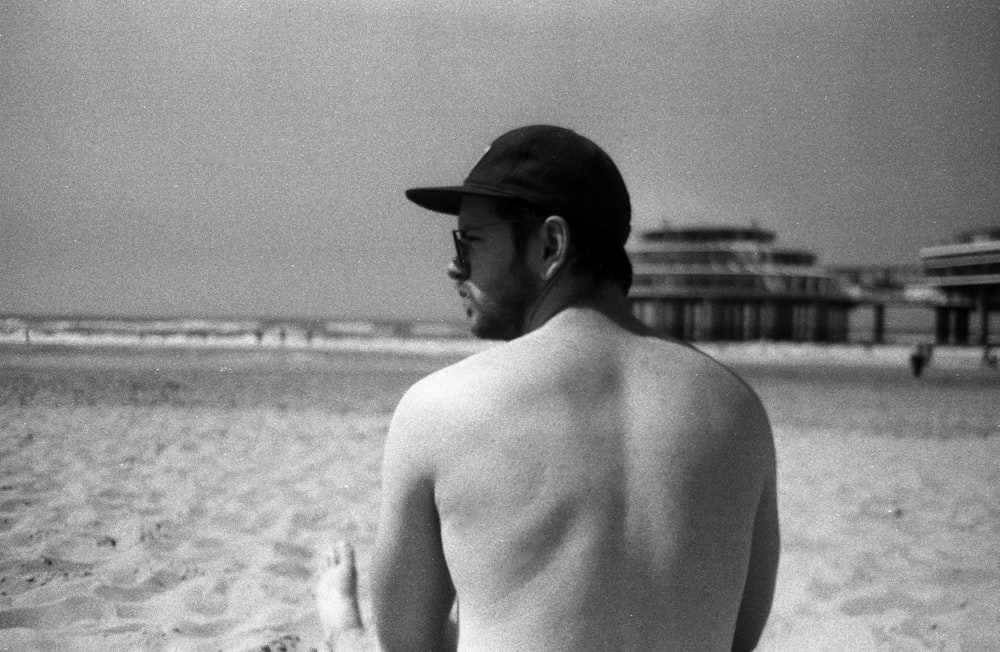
(967, 274)
(734, 283)
(713, 283)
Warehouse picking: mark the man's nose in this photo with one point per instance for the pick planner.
(456, 271)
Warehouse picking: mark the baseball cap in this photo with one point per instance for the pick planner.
(552, 168)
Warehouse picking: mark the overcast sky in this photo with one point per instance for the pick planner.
(249, 158)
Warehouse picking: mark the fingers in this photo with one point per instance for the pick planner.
(343, 553)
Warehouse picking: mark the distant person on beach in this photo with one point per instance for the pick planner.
(989, 357)
(588, 485)
(918, 358)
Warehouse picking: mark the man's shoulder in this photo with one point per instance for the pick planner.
(721, 374)
(439, 413)
(723, 401)
(458, 386)
(449, 387)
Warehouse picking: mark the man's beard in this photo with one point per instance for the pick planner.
(502, 316)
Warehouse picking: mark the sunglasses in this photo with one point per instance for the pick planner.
(461, 238)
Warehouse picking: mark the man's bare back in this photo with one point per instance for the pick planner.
(587, 499)
(586, 486)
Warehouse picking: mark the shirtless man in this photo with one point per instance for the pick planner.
(588, 485)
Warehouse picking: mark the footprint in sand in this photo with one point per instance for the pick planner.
(824, 590)
(158, 583)
(293, 563)
(209, 600)
(211, 629)
(20, 575)
(868, 605)
(56, 615)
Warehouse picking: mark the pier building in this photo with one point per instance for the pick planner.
(967, 271)
(706, 283)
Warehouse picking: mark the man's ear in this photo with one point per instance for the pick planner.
(555, 245)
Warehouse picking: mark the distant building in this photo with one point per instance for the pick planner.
(967, 271)
(733, 283)
(897, 297)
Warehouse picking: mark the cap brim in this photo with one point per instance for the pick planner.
(448, 199)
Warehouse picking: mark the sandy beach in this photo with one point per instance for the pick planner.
(175, 499)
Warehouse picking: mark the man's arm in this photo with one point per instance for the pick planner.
(412, 588)
(758, 591)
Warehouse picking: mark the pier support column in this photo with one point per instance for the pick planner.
(769, 321)
(821, 325)
(878, 327)
(690, 320)
(982, 306)
(798, 322)
(736, 321)
(751, 320)
(961, 316)
(715, 323)
(942, 324)
(675, 320)
(842, 324)
(784, 323)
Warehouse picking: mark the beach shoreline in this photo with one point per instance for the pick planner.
(751, 353)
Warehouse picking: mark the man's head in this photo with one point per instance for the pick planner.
(490, 268)
(529, 177)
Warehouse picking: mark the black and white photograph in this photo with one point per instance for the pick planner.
(516, 326)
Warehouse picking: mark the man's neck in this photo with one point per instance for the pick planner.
(579, 294)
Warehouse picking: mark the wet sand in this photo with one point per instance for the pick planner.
(176, 500)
